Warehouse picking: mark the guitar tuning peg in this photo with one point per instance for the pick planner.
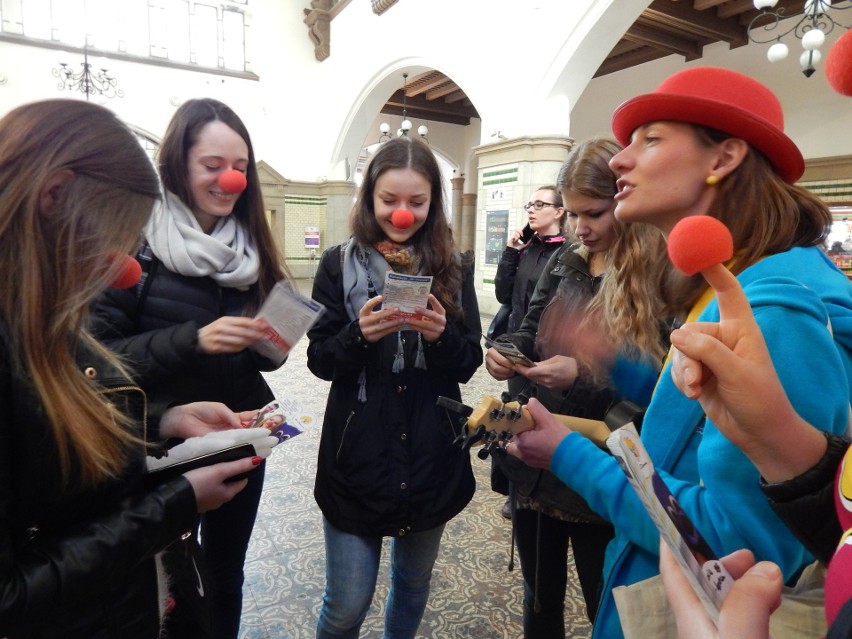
(505, 397)
(525, 395)
(497, 414)
(489, 444)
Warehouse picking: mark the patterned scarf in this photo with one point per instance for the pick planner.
(400, 257)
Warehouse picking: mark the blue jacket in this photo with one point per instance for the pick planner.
(793, 295)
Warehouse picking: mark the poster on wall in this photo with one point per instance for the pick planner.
(496, 235)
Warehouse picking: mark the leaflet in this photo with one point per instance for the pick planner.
(406, 292)
(289, 315)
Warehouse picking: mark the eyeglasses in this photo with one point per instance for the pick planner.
(538, 205)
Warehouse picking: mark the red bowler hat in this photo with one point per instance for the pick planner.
(720, 99)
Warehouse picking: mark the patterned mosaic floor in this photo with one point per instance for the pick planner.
(473, 594)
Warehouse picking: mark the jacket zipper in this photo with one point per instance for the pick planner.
(343, 436)
(106, 391)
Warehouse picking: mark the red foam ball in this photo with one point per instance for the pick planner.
(402, 218)
(129, 274)
(698, 242)
(838, 65)
(232, 181)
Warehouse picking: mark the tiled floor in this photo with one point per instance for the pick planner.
(473, 596)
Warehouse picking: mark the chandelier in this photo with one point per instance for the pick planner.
(87, 80)
(813, 24)
(405, 127)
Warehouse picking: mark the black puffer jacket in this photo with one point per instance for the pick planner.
(518, 273)
(388, 466)
(78, 563)
(156, 327)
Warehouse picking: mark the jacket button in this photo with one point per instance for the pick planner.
(401, 532)
(401, 389)
(403, 437)
(403, 486)
(90, 372)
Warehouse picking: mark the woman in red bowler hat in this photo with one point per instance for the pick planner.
(710, 141)
(210, 261)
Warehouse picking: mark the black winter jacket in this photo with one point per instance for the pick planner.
(388, 466)
(518, 273)
(565, 284)
(156, 327)
(78, 563)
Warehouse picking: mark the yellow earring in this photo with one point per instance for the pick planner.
(712, 180)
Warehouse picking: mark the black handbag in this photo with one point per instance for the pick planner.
(500, 324)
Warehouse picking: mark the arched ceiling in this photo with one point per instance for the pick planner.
(666, 27)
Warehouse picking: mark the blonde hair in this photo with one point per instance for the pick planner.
(60, 258)
(628, 304)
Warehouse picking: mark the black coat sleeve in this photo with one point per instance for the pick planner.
(53, 574)
(806, 503)
(164, 352)
(524, 337)
(504, 279)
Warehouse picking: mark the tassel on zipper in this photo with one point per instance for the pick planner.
(420, 360)
(399, 356)
(362, 386)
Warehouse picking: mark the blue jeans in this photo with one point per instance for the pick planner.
(352, 566)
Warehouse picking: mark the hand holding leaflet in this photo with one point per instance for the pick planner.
(289, 316)
(406, 292)
(706, 574)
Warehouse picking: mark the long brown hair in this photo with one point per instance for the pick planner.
(433, 242)
(765, 215)
(627, 305)
(57, 261)
(181, 135)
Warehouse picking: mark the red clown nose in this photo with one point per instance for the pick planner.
(129, 274)
(698, 242)
(232, 181)
(402, 218)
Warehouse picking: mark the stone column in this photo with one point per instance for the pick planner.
(457, 212)
(509, 171)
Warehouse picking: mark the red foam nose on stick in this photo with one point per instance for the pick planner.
(402, 218)
(698, 242)
(130, 273)
(232, 181)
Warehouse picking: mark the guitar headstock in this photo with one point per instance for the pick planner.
(492, 422)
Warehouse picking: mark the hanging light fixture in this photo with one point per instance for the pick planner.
(86, 80)
(405, 127)
(814, 23)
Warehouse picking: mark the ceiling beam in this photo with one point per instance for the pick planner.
(629, 60)
(644, 33)
(701, 5)
(429, 82)
(682, 17)
(441, 91)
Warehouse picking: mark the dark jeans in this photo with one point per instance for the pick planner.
(225, 534)
(547, 587)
